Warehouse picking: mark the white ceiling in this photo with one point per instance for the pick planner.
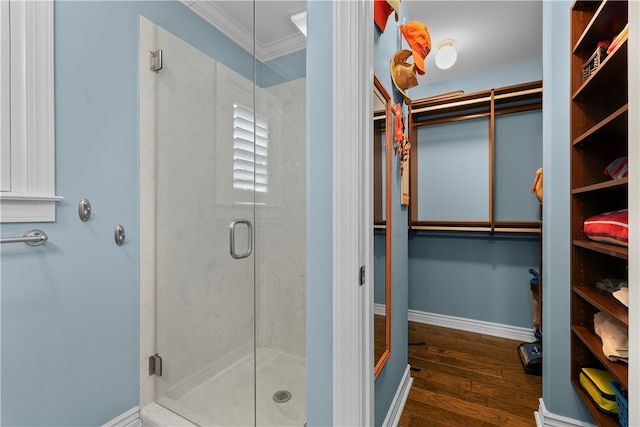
(487, 34)
(276, 35)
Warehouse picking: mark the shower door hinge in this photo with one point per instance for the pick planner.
(155, 61)
(155, 365)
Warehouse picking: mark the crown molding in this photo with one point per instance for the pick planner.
(228, 26)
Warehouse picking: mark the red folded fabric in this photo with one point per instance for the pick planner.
(609, 227)
(618, 168)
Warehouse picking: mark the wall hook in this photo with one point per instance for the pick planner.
(119, 235)
(84, 210)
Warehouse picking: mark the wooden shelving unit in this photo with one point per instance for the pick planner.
(599, 134)
(456, 107)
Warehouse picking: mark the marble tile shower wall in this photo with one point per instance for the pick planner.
(208, 320)
(282, 265)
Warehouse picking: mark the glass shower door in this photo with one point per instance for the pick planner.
(205, 273)
(229, 167)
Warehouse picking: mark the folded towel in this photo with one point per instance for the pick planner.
(613, 333)
(622, 295)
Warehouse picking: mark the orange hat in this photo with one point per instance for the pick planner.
(419, 40)
(382, 9)
(402, 72)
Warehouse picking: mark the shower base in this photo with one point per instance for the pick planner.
(226, 399)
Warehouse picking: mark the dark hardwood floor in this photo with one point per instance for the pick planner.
(467, 379)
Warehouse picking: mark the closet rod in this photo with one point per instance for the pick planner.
(477, 100)
(481, 229)
(451, 119)
(451, 104)
(519, 93)
(445, 228)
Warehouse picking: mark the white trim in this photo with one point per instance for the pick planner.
(131, 418)
(399, 400)
(380, 309)
(27, 210)
(545, 418)
(352, 217)
(471, 325)
(32, 116)
(224, 23)
(634, 211)
(5, 101)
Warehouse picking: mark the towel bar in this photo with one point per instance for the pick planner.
(31, 237)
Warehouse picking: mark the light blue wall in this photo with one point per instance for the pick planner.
(453, 171)
(473, 275)
(319, 214)
(453, 159)
(283, 69)
(518, 156)
(386, 385)
(498, 77)
(479, 276)
(558, 393)
(70, 308)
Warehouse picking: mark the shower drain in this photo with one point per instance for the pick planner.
(281, 396)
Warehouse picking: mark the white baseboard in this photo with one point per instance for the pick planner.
(471, 325)
(131, 418)
(545, 418)
(400, 398)
(379, 309)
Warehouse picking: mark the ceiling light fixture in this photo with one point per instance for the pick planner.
(447, 55)
(300, 19)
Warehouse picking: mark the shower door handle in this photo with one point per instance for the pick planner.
(232, 239)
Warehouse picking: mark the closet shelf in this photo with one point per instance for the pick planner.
(607, 21)
(477, 102)
(603, 301)
(606, 78)
(479, 226)
(599, 135)
(618, 369)
(602, 419)
(477, 229)
(615, 123)
(603, 248)
(607, 185)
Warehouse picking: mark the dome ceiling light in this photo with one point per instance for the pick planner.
(447, 55)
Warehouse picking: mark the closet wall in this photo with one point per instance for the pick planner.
(477, 275)
(473, 276)
(386, 384)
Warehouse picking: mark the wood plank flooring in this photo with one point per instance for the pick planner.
(467, 379)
